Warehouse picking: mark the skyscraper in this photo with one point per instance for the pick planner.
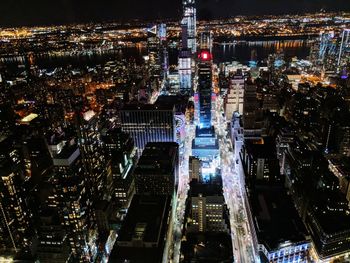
(148, 123)
(206, 40)
(344, 49)
(234, 99)
(72, 197)
(153, 48)
(189, 27)
(205, 145)
(14, 216)
(205, 88)
(185, 71)
(157, 171)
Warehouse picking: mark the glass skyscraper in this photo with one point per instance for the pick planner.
(189, 26)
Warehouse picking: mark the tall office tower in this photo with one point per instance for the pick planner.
(164, 55)
(185, 71)
(344, 50)
(72, 197)
(205, 145)
(148, 123)
(189, 26)
(121, 152)
(14, 215)
(325, 44)
(251, 112)
(157, 170)
(153, 48)
(234, 99)
(206, 40)
(205, 88)
(92, 153)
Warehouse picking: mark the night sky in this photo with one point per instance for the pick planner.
(41, 12)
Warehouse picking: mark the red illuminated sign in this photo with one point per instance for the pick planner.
(205, 55)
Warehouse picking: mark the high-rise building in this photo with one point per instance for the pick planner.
(14, 214)
(189, 25)
(251, 112)
(164, 56)
(234, 99)
(344, 49)
(92, 152)
(72, 197)
(205, 145)
(205, 88)
(185, 71)
(206, 40)
(157, 171)
(148, 123)
(121, 152)
(153, 48)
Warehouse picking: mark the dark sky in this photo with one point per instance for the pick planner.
(38, 12)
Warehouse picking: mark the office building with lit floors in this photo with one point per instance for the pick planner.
(72, 198)
(157, 171)
(208, 211)
(14, 213)
(185, 71)
(121, 153)
(148, 123)
(205, 146)
(154, 49)
(92, 151)
(189, 25)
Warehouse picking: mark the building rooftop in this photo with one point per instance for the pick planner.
(158, 157)
(275, 217)
(145, 223)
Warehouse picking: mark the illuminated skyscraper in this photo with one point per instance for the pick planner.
(72, 196)
(189, 27)
(344, 49)
(120, 151)
(206, 40)
(185, 71)
(14, 215)
(148, 123)
(205, 145)
(205, 88)
(153, 48)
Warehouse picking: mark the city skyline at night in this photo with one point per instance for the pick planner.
(189, 131)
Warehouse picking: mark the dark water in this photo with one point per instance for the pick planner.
(260, 50)
(241, 51)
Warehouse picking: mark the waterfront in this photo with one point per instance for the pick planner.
(223, 52)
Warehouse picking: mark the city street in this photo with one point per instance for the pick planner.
(232, 187)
